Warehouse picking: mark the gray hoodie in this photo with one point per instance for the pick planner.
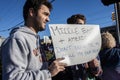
(21, 57)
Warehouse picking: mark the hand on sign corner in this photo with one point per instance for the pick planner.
(57, 66)
(94, 63)
(95, 67)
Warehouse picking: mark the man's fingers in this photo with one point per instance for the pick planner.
(57, 62)
(57, 66)
(59, 59)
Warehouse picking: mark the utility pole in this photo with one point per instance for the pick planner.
(117, 13)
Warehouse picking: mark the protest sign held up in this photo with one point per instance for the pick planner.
(76, 43)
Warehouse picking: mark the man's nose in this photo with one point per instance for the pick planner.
(48, 19)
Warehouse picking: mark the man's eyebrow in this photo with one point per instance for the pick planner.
(47, 13)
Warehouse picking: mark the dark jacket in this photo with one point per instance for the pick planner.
(110, 61)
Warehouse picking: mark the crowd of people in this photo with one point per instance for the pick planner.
(24, 58)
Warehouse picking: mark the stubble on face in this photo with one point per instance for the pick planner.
(41, 18)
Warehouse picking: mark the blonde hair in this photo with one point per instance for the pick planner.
(108, 41)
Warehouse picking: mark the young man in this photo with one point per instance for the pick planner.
(22, 57)
(86, 70)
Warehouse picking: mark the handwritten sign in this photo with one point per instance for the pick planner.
(76, 43)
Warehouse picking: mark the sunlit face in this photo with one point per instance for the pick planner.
(41, 18)
(80, 21)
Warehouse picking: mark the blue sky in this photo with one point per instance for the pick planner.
(94, 10)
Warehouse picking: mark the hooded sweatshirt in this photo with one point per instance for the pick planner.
(22, 58)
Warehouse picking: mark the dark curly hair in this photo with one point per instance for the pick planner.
(35, 4)
(73, 19)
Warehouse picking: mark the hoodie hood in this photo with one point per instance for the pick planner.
(23, 29)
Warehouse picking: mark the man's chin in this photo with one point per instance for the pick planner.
(42, 29)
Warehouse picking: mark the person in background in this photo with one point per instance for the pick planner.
(22, 57)
(86, 71)
(76, 19)
(91, 70)
(110, 57)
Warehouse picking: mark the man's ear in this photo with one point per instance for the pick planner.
(31, 12)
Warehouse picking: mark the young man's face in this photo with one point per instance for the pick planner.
(41, 18)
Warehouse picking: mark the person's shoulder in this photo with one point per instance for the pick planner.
(17, 35)
(20, 33)
(115, 50)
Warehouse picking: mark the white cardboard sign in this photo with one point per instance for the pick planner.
(76, 43)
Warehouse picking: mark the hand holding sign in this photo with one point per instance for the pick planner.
(76, 43)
